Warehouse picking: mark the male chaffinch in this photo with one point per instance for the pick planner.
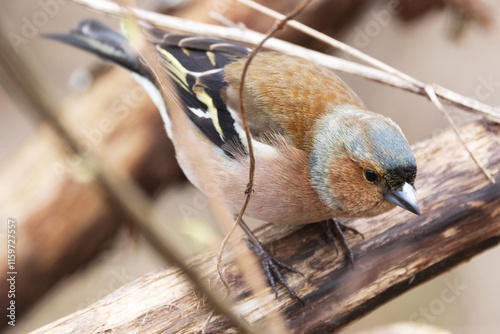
(319, 153)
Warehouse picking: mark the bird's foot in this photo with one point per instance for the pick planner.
(272, 267)
(334, 231)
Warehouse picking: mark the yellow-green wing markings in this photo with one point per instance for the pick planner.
(196, 66)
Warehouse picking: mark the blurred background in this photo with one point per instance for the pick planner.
(453, 43)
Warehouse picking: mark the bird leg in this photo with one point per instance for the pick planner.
(270, 264)
(334, 231)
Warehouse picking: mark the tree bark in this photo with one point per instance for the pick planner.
(460, 218)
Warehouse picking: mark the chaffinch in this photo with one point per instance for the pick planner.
(319, 153)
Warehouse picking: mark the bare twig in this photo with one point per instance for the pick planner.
(251, 171)
(433, 97)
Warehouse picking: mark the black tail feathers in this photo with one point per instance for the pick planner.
(100, 40)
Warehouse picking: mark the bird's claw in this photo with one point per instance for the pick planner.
(272, 267)
(334, 231)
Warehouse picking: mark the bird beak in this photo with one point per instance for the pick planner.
(404, 197)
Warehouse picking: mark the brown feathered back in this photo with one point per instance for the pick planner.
(307, 92)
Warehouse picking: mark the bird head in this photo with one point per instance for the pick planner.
(361, 164)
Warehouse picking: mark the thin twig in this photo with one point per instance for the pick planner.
(429, 89)
(278, 25)
(221, 252)
(252, 37)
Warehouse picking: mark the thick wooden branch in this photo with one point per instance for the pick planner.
(460, 218)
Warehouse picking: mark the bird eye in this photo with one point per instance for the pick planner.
(371, 176)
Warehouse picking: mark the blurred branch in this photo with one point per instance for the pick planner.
(399, 252)
(471, 10)
(126, 197)
(64, 220)
(399, 80)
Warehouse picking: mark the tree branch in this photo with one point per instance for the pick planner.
(460, 219)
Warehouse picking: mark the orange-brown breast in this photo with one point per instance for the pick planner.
(287, 94)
